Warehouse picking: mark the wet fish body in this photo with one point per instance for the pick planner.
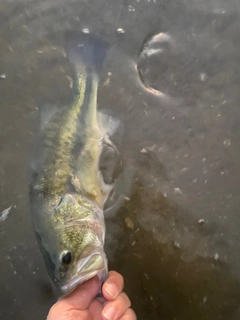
(68, 190)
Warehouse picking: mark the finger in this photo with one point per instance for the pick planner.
(113, 310)
(95, 310)
(64, 314)
(129, 315)
(113, 286)
(81, 298)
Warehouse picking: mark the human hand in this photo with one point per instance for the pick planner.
(82, 304)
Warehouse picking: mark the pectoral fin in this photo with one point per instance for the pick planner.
(108, 123)
(110, 163)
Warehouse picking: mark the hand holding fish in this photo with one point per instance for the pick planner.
(82, 304)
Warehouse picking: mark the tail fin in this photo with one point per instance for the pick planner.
(85, 51)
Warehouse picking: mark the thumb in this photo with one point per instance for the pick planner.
(79, 299)
(83, 295)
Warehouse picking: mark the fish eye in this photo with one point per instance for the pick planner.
(66, 257)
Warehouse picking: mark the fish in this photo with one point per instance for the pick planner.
(68, 190)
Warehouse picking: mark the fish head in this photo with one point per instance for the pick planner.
(78, 252)
(80, 258)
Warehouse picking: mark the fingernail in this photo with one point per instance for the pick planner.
(111, 290)
(109, 313)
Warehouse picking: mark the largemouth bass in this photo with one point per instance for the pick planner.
(68, 190)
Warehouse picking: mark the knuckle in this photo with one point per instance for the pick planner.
(54, 310)
(121, 280)
(125, 299)
(129, 315)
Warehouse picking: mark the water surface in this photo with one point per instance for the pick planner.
(172, 77)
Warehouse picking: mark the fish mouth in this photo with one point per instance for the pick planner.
(86, 268)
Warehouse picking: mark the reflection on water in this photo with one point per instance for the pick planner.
(175, 236)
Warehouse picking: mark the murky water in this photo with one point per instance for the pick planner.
(172, 77)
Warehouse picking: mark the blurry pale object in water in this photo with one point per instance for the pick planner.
(4, 214)
(152, 61)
